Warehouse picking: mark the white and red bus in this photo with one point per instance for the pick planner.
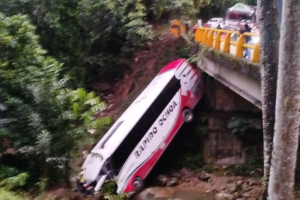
(133, 145)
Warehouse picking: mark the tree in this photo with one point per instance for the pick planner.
(269, 34)
(287, 123)
(88, 36)
(181, 9)
(217, 7)
(44, 120)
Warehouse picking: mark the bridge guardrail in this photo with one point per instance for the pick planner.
(220, 39)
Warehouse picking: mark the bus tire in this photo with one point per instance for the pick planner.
(138, 184)
(187, 115)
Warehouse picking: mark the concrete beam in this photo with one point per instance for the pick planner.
(246, 86)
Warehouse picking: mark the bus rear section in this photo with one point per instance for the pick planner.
(147, 127)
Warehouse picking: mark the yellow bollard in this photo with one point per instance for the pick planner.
(226, 43)
(218, 41)
(239, 46)
(198, 34)
(210, 38)
(255, 55)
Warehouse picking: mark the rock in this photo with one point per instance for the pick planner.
(111, 101)
(172, 182)
(184, 172)
(239, 184)
(232, 188)
(236, 195)
(203, 176)
(224, 196)
(229, 180)
(110, 96)
(61, 193)
(195, 182)
(259, 169)
(176, 175)
(161, 180)
(154, 192)
(246, 194)
(251, 182)
(224, 167)
(246, 188)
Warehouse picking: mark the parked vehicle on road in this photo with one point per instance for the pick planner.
(133, 145)
(215, 22)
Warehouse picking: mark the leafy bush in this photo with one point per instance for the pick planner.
(7, 195)
(15, 181)
(45, 118)
(238, 125)
(251, 168)
(109, 187)
(6, 172)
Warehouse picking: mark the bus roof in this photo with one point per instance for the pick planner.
(244, 8)
(117, 133)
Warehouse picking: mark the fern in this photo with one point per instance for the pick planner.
(15, 181)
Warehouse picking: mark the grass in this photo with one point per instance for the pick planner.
(7, 195)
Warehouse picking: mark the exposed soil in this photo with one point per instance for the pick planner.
(145, 65)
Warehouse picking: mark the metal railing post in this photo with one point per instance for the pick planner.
(239, 46)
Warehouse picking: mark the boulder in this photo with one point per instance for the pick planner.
(172, 182)
(224, 196)
(184, 172)
(176, 175)
(161, 180)
(239, 183)
(232, 188)
(203, 176)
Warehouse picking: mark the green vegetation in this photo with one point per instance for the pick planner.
(253, 167)
(52, 53)
(238, 125)
(42, 120)
(7, 195)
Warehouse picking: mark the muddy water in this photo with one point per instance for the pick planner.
(160, 193)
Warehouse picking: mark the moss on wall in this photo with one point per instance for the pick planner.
(228, 60)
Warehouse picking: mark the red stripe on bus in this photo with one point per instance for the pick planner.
(172, 65)
(143, 171)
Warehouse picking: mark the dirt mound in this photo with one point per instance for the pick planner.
(66, 194)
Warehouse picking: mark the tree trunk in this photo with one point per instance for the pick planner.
(269, 42)
(287, 121)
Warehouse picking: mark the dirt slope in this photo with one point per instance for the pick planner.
(144, 67)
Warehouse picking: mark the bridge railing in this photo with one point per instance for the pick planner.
(229, 42)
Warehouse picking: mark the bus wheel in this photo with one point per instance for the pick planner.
(138, 184)
(187, 115)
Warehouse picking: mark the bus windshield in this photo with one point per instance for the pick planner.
(239, 16)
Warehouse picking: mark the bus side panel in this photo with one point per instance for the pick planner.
(190, 93)
(146, 153)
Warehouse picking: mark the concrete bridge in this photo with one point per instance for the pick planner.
(224, 59)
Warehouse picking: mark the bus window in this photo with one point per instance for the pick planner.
(121, 154)
(239, 16)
